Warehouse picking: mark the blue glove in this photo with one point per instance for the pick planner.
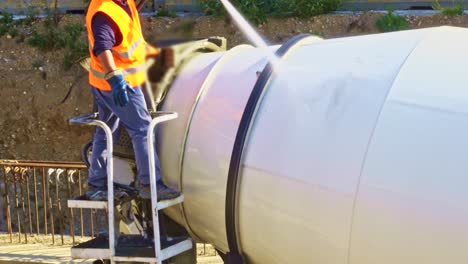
(119, 90)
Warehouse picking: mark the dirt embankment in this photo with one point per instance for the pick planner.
(34, 125)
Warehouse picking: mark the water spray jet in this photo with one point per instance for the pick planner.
(251, 34)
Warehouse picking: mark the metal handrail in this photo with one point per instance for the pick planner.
(160, 118)
(91, 120)
(42, 164)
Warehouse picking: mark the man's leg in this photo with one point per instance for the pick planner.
(97, 180)
(136, 119)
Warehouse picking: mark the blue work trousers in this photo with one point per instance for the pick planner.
(135, 119)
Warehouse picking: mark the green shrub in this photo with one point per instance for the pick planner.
(303, 8)
(212, 7)
(8, 25)
(283, 8)
(258, 11)
(391, 22)
(73, 32)
(3, 30)
(164, 12)
(254, 10)
(455, 10)
(6, 18)
(13, 31)
(68, 38)
(52, 39)
(74, 52)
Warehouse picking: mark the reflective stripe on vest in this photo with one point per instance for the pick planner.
(128, 54)
(131, 49)
(125, 72)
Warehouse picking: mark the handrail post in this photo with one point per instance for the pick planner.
(91, 119)
(162, 117)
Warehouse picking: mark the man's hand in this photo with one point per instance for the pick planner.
(116, 80)
(119, 90)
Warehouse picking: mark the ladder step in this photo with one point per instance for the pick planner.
(131, 248)
(82, 202)
(96, 248)
(176, 249)
(168, 203)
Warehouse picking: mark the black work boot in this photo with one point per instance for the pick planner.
(96, 193)
(100, 193)
(164, 192)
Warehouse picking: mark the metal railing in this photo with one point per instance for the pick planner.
(34, 203)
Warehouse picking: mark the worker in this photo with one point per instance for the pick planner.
(117, 72)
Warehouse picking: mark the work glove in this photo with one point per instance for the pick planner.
(119, 89)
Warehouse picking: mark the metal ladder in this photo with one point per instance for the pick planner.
(133, 248)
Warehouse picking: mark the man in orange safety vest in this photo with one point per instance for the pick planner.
(117, 71)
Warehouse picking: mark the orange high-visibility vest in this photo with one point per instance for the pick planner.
(130, 55)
